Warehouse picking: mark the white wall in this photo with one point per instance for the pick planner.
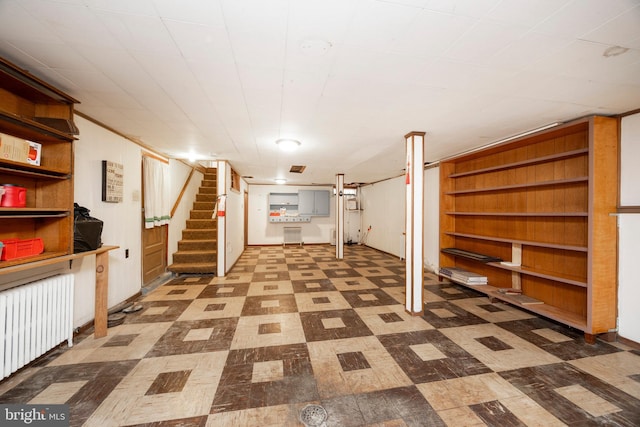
(234, 245)
(384, 210)
(383, 215)
(122, 221)
(262, 232)
(629, 231)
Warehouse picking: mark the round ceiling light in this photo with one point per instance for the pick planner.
(288, 144)
(280, 181)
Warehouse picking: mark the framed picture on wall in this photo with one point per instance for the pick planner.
(112, 180)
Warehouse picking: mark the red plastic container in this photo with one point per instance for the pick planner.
(17, 248)
(14, 196)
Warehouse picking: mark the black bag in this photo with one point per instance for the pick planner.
(87, 230)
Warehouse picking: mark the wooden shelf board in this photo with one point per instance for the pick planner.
(530, 214)
(16, 264)
(558, 156)
(31, 130)
(28, 86)
(24, 169)
(519, 186)
(33, 213)
(541, 275)
(628, 209)
(47, 258)
(545, 310)
(521, 242)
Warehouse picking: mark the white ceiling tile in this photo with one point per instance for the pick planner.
(229, 76)
(623, 30)
(377, 24)
(531, 47)
(115, 98)
(484, 40)
(140, 33)
(431, 34)
(471, 8)
(256, 16)
(196, 41)
(54, 54)
(326, 20)
(119, 65)
(16, 23)
(73, 23)
(259, 49)
(527, 13)
(193, 11)
(138, 7)
(581, 17)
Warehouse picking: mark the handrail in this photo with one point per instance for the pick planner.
(184, 189)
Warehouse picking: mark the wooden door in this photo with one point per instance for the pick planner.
(154, 247)
(154, 253)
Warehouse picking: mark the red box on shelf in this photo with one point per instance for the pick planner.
(17, 248)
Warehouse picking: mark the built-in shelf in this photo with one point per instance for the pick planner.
(34, 111)
(528, 162)
(522, 242)
(558, 214)
(582, 179)
(539, 274)
(546, 310)
(23, 169)
(289, 219)
(543, 204)
(30, 129)
(32, 213)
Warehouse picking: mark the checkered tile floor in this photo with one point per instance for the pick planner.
(293, 326)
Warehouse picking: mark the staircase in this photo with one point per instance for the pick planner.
(197, 251)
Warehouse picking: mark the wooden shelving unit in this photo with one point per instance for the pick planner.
(541, 202)
(33, 110)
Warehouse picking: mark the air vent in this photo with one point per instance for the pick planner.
(297, 169)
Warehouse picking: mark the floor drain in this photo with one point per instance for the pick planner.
(313, 415)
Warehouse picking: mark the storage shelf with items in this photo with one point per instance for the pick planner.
(538, 208)
(36, 140)
(283, 206)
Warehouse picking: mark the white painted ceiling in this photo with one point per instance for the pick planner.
(348, 78)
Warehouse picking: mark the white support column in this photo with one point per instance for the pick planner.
(222, 230)
(414, 223)
(339, 216)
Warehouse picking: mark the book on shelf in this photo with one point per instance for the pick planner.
(526, 300)
(464, 276)
(448, 271)
(471, 255)
(510, 291)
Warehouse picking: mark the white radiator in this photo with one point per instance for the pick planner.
(292, 235)
(34, 318)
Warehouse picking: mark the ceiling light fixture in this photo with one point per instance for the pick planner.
(288, 144)
(280, 181)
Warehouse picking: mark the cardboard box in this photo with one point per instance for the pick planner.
(20, 150)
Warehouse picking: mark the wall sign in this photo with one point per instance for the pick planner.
(112, 178)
